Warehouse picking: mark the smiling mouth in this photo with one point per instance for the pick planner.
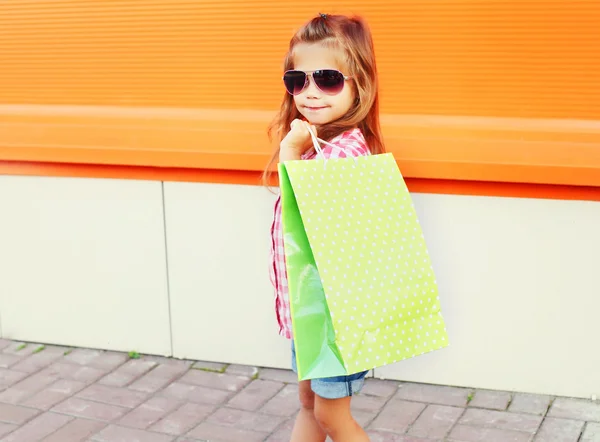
(315, 108)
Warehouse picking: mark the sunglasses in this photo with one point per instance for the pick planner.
(328, 81)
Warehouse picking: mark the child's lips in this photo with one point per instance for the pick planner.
(315, 108)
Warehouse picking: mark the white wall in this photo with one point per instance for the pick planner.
(519, 290)
(221, 295)
(517, 278)
(82, 262)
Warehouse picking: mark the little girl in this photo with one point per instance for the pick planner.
(331, 86)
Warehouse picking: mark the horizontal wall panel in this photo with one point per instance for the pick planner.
(222, 301)
(83, 263)
(519, 292)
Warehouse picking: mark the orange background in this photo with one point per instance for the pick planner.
(472, 91)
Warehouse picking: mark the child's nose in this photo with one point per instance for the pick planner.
(312, 91)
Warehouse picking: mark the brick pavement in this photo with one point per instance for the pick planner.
(57, 394)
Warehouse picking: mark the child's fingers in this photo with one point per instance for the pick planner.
(298, 123)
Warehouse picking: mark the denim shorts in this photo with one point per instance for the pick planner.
(336, 387)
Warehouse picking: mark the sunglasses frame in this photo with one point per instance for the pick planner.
(310, 74)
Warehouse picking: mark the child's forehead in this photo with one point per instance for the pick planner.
(312, 56)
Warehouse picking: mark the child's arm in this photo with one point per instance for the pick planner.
(288, 154)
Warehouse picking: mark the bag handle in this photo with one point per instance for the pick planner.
(318, 149)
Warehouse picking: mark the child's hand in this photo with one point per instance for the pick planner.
(298, 139)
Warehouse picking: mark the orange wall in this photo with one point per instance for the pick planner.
(521, 58)
(528, 68)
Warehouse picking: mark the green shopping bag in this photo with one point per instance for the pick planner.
(362, 289)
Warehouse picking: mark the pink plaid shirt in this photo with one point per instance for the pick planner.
(349, 144)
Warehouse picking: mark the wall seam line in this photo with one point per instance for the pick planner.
(164, 210)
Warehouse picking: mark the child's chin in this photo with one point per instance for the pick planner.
(316, 121)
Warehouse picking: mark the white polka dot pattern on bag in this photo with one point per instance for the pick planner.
(372, 259)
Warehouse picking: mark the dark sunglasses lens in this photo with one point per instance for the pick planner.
(329, 81)
(294, 81)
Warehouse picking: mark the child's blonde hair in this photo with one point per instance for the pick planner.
(352, 37)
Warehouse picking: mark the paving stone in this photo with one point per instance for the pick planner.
(82, 356)
(75, 431)
(215, 380)
(113, 395)
(21, 349)
(465, 433)
(559, 430)
(150, 412)
(255, 395)
(591, 433)
(73, 372)
(40, 360)
(53, 394)
(158, 378)
(7, 360)
(15, 414)
(196, 394)
(212, 432)
(502, 420)
(370, 404)
(26, 388)
(494, 400)
(90, 410)
(384, 436)
(7, 428)
(109, 360)
(397, 416)
(380, 436)
(274, 374)
(245, 420)
(404, 438)
(285, 403)
(183, 419)
(53, 398)
(283, 432)
(242, 370)
(115, 433)
(127, 373)
(10, 377)
(38, 428)
(433, 394)
(530, 403)
(364, 418)
(380, 387)
(163, 360)
(436, 421)
(577, 409)
(210, 366)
